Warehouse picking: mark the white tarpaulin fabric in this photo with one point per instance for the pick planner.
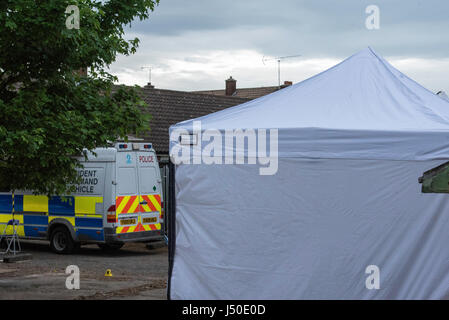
(443, 95)
(352, 143)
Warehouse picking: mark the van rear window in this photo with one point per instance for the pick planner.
(127, 181)
(147, 180)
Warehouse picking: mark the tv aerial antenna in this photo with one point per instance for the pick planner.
(279, 59)
(149, 73)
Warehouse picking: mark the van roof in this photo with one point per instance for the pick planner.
(102, 154)
(109, 154)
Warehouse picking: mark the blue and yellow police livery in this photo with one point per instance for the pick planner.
(90, 214)
(39, 215)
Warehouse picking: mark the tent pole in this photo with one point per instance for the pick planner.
(171, 224)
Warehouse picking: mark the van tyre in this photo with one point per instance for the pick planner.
(110, 246)
(61, 241)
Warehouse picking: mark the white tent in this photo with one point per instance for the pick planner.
(352, 143)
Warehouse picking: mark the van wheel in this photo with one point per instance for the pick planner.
(61, 241)
(110, 246)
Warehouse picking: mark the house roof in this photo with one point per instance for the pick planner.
(247, 93)
(168, 107)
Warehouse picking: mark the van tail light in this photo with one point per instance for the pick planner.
(111, 217)
(161, 215)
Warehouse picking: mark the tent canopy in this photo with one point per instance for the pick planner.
(364, 92)
(362, 107)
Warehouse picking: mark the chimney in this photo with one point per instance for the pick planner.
(287, 84)
(231, 86)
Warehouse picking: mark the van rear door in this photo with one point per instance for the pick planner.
(127, 193)
(150, 186)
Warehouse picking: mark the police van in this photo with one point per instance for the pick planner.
(118, 200)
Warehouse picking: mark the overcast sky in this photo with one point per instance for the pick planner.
(197, 44)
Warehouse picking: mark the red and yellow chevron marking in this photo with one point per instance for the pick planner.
(127, 204)
(131, 204)
(153, 203)
(139, 228)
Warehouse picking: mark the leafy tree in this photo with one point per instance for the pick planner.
(48, 112)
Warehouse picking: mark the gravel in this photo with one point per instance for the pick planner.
(137, 273)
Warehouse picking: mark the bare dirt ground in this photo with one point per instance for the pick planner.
(137, 273)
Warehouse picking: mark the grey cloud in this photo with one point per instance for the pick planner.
(326, 27)
(182, 30)
(196, 59)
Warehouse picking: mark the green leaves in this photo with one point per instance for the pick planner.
(48, 113)
(10, 24)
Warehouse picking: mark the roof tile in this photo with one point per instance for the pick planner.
(168, 107)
